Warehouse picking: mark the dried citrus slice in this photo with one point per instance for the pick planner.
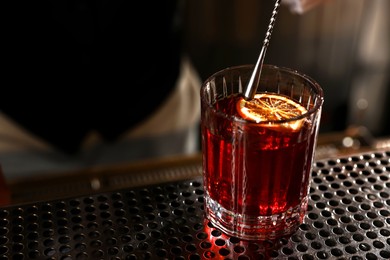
(272, 107)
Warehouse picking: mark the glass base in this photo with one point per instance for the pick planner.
(255, 227)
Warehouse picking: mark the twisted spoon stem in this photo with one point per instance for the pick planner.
(254, 80)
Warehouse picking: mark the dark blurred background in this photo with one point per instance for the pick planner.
(342, 44)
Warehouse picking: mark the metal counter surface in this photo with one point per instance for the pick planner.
(348, 218)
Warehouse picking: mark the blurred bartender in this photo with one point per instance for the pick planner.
(98, 82)
(94, 82)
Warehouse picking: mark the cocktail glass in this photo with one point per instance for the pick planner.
(257, 174)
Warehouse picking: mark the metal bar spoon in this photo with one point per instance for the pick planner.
(254, 80)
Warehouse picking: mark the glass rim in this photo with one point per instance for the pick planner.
(313, 84)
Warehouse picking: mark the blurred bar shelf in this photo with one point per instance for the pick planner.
(142, 173)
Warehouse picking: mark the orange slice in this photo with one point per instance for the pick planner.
(270, 108)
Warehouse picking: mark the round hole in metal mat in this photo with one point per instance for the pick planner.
(348, 218)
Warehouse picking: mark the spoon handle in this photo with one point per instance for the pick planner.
(253, 82)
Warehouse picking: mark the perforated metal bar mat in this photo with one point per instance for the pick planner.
(348, 218)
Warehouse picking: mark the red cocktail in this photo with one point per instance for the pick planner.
(257, 164)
